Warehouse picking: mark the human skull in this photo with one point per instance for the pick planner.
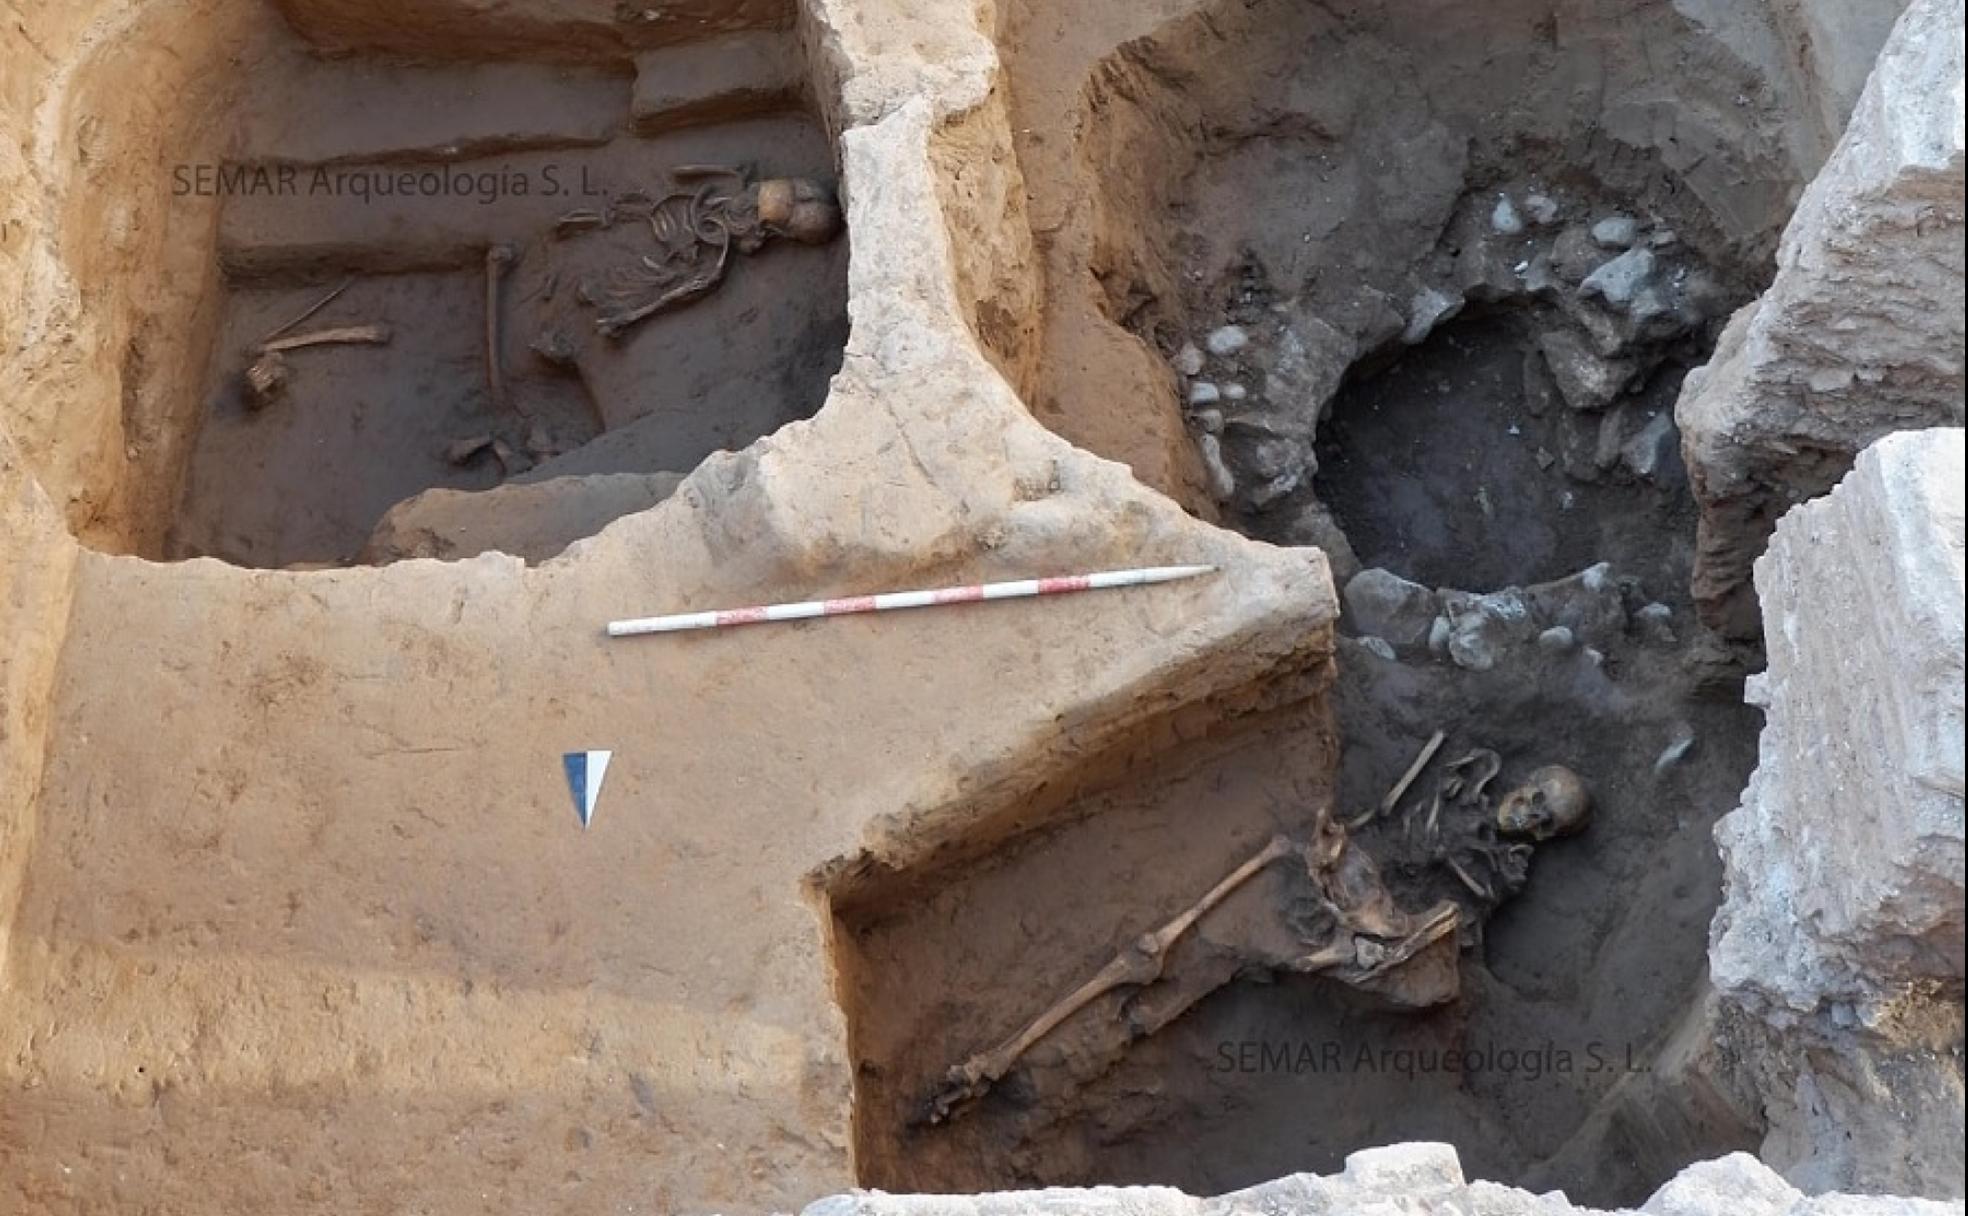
(1553, 801)
(800, 209)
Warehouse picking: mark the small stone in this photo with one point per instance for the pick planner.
(1573, 255)
(1590, 604)
(1380, 648)
(1203, 393)
(1557, 638)
(1430, 307)
(1235, 392)
(1663, 239)
(1543, 209)
(1655, 623)
(1222, 482)
(1505, 218)
(1539, 278)
(1616, 232)
(1620, 281)
(1278, 464)
(1383, 604)
(1208, 421)
(1586, 380)
(555, 348)
(1189, 360)
(1652, 449)
(1594, 656)
(1677, 750)
(1227, 341)
(1483, 627)
(1438, 635)
(1545, 459)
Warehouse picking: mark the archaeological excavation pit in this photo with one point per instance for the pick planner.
(1419, 289)
(1459, 358)
(539, 278)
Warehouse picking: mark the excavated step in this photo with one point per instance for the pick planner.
(302, 220)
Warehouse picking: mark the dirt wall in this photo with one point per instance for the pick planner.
(107, 279)
(567, 30)
(37, 566)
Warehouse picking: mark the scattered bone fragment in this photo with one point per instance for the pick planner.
(498, 259)
(266, 380)
(464, 451)
(341, 335)
(511, 463)
(1471, 775)
(1399, 789)
(311, 310)
(268, 375)
(1677, 749)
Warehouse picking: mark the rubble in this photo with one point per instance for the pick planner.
(1398, 1178)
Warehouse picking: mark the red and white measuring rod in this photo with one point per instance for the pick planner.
(894, 601)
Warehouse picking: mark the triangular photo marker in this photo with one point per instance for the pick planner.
(585, 773)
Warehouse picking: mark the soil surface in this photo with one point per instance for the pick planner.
(1571, 985)
(360, 428)
(1437, 470)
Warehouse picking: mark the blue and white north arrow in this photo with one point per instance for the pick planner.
(585, 772)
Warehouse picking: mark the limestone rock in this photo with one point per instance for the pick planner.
(1312, 524)
(531, 520)
(1843, 866)
(1651, 450)
(1227, 341)
(1586, 380)
(1382, 603)
(1505, 219)
(1431, 307)
(1861, 332)
(1616, 232)
(1400, 1178)
(1591, 604)
(1620, 282)
(1483, 627)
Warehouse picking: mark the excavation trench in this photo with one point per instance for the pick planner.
(461, 300)
(1419, 290)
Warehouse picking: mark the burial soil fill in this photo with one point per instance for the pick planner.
(1416, 301)
(451, 221)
